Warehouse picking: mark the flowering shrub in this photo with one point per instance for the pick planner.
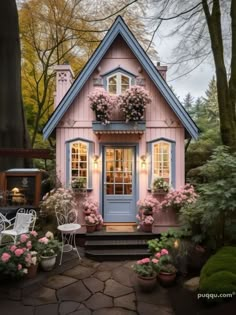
(160, 183)
(145, 267)
(48, 246)
(176, 199)
(149, 204)
(56, 200)
(91, 219)
(101, 103)
(133, 103)
(15, 260)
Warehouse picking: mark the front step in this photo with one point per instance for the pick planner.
(117, 246)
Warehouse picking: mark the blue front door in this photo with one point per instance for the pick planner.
(119, 184)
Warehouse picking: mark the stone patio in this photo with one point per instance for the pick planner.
(83, 288)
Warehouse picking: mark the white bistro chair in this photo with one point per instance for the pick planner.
(23, 222)
(68, 226)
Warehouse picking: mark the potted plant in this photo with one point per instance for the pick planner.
(146, 274)
(78, 184)
(159, 185)
(145, 222)
(102, 104)
(166, 271)
(91, 222)
(90, 206)
(48, 248)
(100, 223)
(133, 103)
(148, 205)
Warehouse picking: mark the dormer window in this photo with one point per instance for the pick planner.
(118, 83)
(118, 80)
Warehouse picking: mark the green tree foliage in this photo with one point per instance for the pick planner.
(212, 217)
(206, 115)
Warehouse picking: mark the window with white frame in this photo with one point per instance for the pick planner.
(161, 160)
(118, 82)
(79, 161)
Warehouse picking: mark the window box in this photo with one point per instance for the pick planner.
(132, 127)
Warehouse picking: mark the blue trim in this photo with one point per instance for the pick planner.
(173, 160)
(90, 160)
(118, 69)
(120, 28)
(119, 125)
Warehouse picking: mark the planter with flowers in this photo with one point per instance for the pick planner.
(133, 103)
(166, 271)
(99, 225)
(147, 207)
(146, 274)
(102, 104)
(145, 222)
(91, 222)
(160, 186)
(79, 185)
(48, 247)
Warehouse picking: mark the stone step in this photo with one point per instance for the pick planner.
(103, 235)
(115, 243)
(116, 254)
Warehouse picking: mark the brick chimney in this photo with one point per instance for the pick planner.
(64, 80)
(162, 70)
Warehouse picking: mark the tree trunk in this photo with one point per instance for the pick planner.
(13, 132)
(225, 99)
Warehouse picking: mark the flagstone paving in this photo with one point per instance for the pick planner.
(84, 288)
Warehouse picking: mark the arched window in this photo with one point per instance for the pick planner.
(79, 153)
(117, 83)
(162, 161)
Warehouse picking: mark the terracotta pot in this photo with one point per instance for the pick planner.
(147, 284)
(146, 227)
(166, 279)
(32, 271)
(91, 228)
(47, 263)
(99, 227)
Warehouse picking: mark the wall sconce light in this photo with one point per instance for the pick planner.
(95, 161)
(143, 163)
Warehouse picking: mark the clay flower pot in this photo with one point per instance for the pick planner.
(91, 228)
(147, 284)
(166, 279)
(32, 271)
(146, 227)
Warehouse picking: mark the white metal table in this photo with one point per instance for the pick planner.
(68, 232)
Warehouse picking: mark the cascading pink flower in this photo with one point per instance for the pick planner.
(19, 252)
(24, 238)
(5, 257)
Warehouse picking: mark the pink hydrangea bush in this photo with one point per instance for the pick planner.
(48, 245)
(14, 261)
(102, 103)
(165, 262)
(176, 199)
(133, 103)
(90, 206)
(91, 219)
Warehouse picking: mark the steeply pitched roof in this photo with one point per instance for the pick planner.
(120, 28)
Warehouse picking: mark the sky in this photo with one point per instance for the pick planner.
(195, 83)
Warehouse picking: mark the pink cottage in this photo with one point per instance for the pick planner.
(119, 160)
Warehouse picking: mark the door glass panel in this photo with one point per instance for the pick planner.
(119, 171)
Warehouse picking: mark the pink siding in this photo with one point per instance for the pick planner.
(160, 120)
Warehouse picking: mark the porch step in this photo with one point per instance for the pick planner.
(116, 254)
(117, 246)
